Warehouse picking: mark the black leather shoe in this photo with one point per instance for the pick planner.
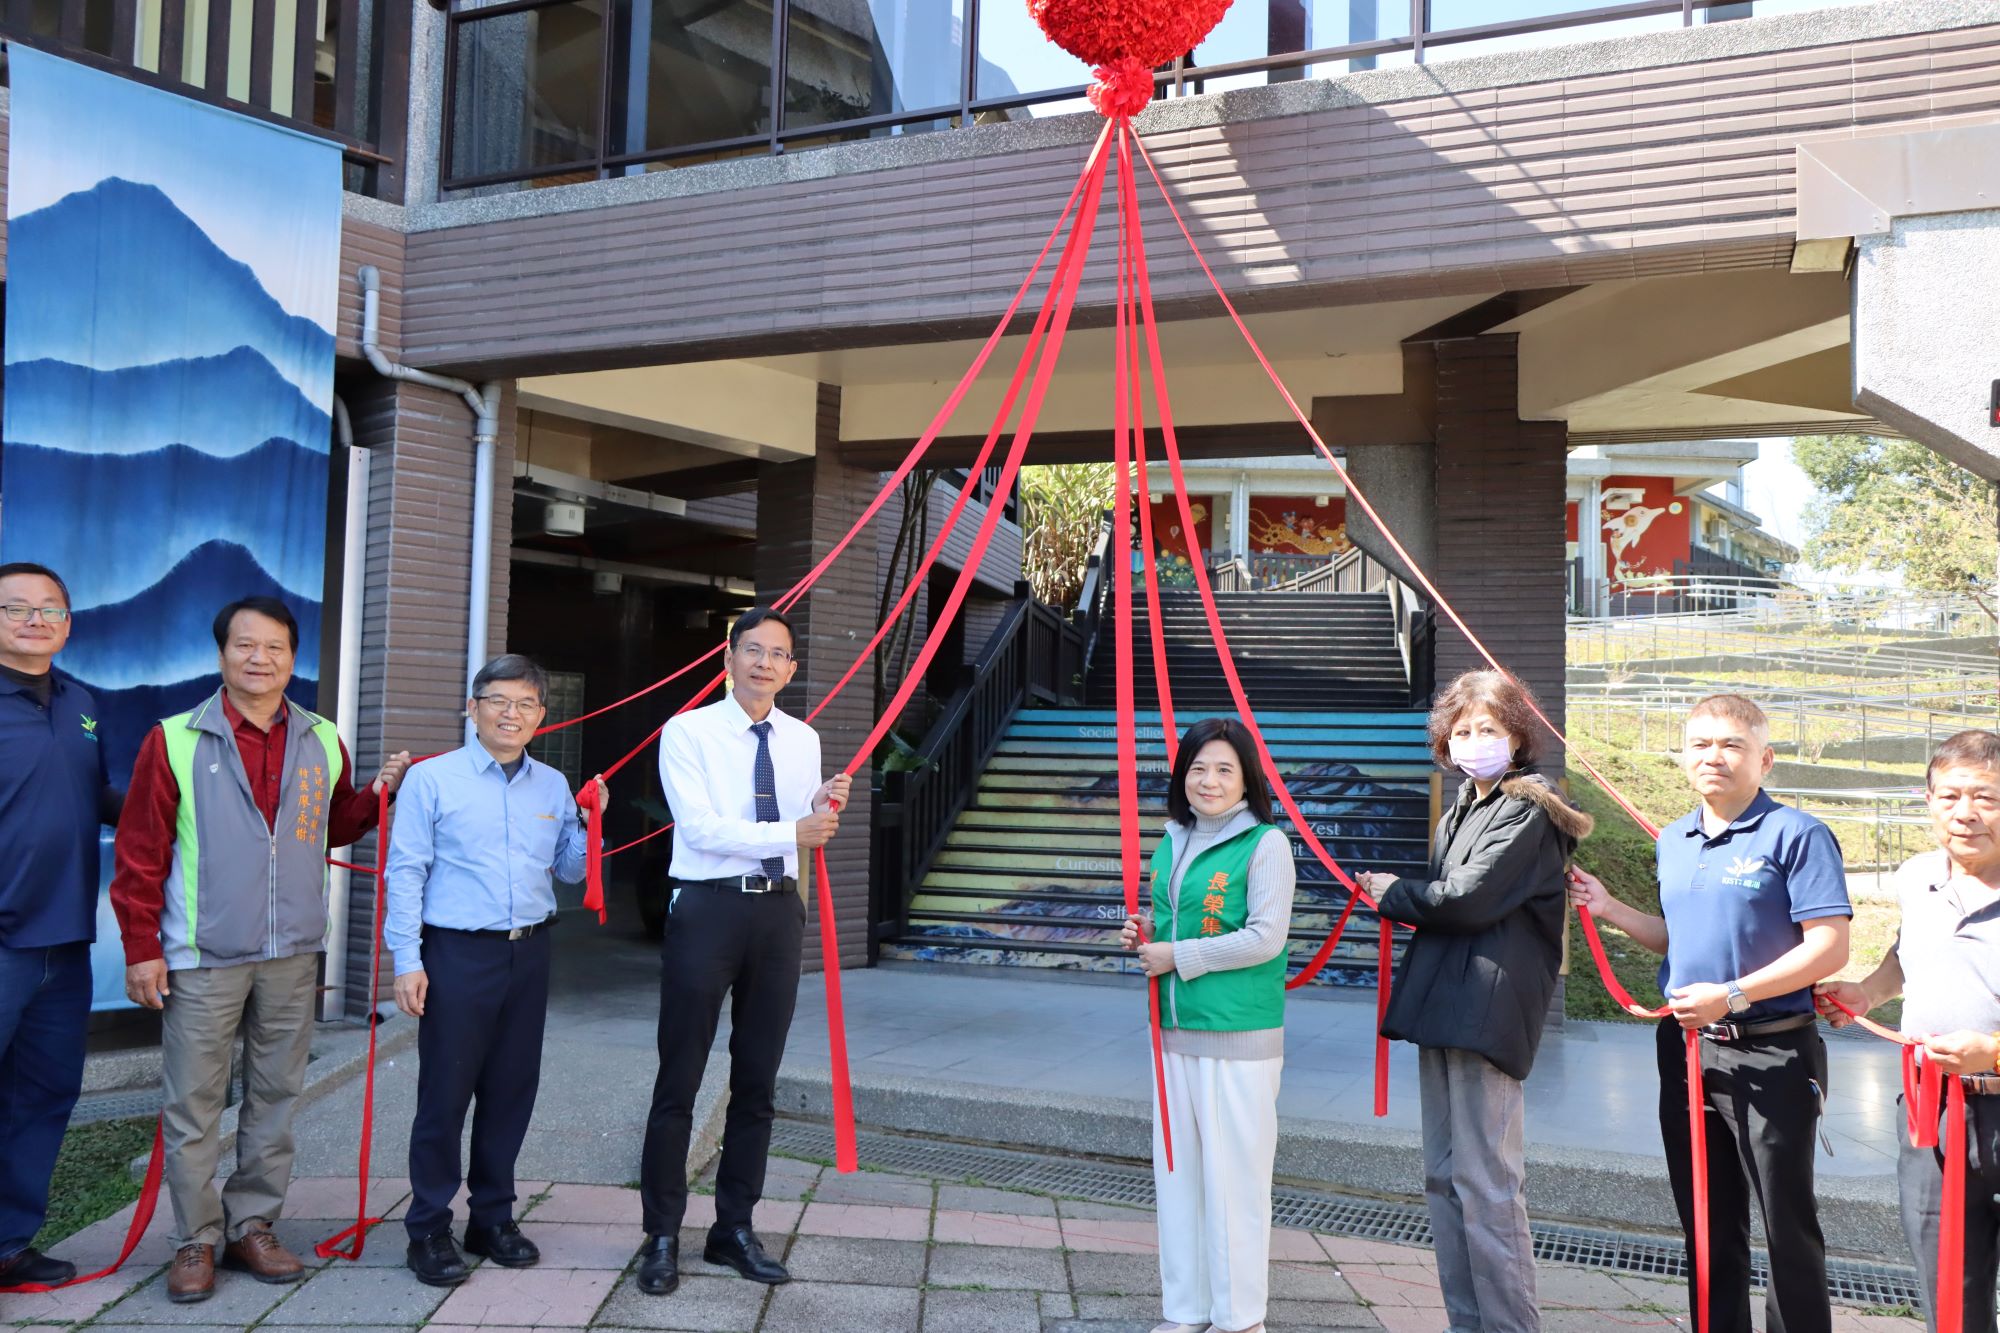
(739, 1248)
(436, 1261)
(30, 1267)
(503, 1244)
(660, 1265)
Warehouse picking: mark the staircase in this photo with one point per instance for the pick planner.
(1029, 874)
(1296, 652)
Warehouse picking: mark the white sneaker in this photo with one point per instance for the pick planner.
(1169, 1326)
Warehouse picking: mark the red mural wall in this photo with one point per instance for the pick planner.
(1646, 528)
(1298, 525)
(1170, 543)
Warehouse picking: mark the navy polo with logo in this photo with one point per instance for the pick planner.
(1737, 902)
(52, 780)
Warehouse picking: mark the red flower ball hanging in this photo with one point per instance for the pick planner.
(1125, 41)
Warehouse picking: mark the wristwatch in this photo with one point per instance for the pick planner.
(1738, 1001)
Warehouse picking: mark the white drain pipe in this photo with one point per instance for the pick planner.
(484, 400)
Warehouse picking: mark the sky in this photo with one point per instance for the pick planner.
(198, 154)
(1777, 491)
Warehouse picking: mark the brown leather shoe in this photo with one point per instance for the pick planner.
(191, 1276)
(259, 1254)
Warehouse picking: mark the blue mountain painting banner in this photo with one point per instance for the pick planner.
(172, 280)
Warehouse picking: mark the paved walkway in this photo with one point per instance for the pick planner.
(871, 1253)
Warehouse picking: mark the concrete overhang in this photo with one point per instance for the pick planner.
(735, 407)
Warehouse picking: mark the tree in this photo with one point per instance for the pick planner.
(1062, 511)
(1894, 505)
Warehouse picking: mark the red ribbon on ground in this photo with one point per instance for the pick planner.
(142, 1217)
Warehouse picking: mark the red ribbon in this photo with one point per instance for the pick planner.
(1951, 1214)
(1698, 1150)
(142, 1217)
(331, 1247)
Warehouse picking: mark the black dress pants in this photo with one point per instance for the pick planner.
(720, 942)
(1920, 1180)
(480, 1038)
(1763, 1098)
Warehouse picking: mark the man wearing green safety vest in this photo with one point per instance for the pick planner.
(220, 891)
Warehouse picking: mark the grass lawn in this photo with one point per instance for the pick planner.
(1620, 853)
(93, 1176)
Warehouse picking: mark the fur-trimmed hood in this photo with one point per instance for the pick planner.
(1569, 821)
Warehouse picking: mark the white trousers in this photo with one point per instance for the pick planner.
(1214, 1207)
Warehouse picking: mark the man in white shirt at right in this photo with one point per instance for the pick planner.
(1946, 966)
(742, 780)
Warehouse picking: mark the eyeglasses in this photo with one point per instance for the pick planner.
(754, 653)
(51, 615)
(504, 706)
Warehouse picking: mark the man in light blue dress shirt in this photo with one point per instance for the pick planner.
(477, 834)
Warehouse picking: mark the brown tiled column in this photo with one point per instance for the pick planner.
(412, 688)
(803, 508)
(1499, 527)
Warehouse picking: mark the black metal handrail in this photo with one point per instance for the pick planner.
(1035, 655)
(1089, 608)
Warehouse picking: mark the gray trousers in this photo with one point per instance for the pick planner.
(270, 1004)
(1472, 1181)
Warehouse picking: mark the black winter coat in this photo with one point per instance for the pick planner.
(1480, 971)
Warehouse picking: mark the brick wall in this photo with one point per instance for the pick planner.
(412, 688)
(807, 507)
(1499, 534)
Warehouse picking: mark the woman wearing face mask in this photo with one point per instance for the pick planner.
(1221, 912)
(1474, 989)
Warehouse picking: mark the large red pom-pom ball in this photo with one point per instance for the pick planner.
(1125, 40)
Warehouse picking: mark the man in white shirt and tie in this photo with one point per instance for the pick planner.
(742, 779)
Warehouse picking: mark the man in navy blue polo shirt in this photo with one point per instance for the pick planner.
(53, 795)
(1755, 910)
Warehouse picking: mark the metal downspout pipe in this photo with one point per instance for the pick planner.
(347, 692)
(484, 400)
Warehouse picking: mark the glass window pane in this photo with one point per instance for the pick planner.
(1015, 58)
(527, 89)
(849, 59)
(695, 72)
(1253, 29)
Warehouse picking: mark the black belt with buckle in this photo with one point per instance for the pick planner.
(1980, 1085)
(746, 884)
(514, 933)
(1730, 1030)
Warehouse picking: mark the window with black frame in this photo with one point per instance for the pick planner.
(527, 92)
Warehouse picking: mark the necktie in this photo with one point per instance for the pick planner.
(766, 787)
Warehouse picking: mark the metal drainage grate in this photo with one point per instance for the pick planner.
(1851, 1282)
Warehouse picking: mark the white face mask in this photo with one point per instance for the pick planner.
(1482, 757)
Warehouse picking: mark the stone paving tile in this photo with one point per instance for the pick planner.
(1028, 1233)
(1085, 1209)
(1311, 1282)
(526, 1192)
(345, 1295)
(1348, 1249)
(1410, 1319)
(1403, 1285)
(527, 1297)
(1559, 1288)
(770, 1217)
(981, 1312)
(818, 1307)
(711, 1304)
(873, 1187)
(885, 1263)
(1293, 1316)
(1118, 1274)
(1100, 1307)
(1056, 1304)
(603, 1204)
(1009, 1268)
(1299, 1247)
(72, 1304)
(239, 1300)
(978, 1199)
(331, 1198)
(301, 1234)
(865, 1221)
(1111, 1235)
(1594, 1321)
(583, 1244)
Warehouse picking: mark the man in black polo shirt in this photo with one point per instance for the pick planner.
(53, 795)
(1754, 896)
(1946, 966)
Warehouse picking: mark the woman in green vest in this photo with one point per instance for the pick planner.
(1215, 938)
